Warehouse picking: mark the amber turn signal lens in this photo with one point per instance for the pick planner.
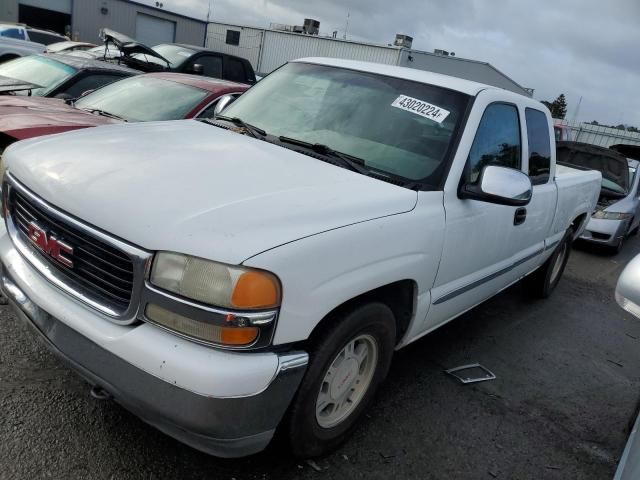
(238, 336)
(219, 335)
(256, 289)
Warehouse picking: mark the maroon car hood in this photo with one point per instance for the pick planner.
(26, 117)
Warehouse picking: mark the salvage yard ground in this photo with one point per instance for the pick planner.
(568, 382)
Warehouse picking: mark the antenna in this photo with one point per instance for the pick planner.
(346, 28)
(209, 11)
(575, 115)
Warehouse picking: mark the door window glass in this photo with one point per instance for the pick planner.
(12, 33)
(497, 141)
(212, 65)
(539, 146)
(234, 70)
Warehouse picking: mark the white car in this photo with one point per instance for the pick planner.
(223, 278)
(18, 40)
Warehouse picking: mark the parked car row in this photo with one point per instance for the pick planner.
(84, 86)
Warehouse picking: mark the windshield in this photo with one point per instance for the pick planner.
(395, 126)
(144, 99)
(40, 70)
(176, 55)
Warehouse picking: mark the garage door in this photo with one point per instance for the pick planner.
(152, 30)
(62, 6)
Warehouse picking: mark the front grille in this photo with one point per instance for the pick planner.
(101, 271)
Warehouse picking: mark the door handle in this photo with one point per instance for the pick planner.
(520, 216)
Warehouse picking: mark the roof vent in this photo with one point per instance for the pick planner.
(404, 41)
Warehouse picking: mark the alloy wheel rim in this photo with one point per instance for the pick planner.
(346, 381)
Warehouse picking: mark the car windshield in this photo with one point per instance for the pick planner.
(44, 71)
(143, 99)
(394, 126)
(176, 55)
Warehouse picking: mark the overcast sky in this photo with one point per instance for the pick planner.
(588, 48)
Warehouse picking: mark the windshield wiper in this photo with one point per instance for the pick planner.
(97, 111)
(353, 163)
(255, 132)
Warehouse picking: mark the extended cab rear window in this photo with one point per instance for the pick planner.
(539, 146)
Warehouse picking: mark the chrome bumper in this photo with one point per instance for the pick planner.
(225, 427)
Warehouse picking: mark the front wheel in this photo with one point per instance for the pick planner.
(544, 280)
(348, 361)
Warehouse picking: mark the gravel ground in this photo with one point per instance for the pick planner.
(567, 388)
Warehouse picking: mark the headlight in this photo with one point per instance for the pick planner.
(602, 215)
(215, 283)
(236, 305)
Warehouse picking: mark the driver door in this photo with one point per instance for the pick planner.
(478, 247)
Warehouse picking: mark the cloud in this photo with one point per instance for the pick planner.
(583, 48)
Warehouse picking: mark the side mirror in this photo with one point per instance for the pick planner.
(223, 103)
(501, 185)
(196, 69)
(628, 288)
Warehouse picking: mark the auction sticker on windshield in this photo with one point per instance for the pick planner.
(422, 108)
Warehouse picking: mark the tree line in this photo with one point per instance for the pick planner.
(558, 109)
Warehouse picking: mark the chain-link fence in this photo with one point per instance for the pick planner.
(600, 135)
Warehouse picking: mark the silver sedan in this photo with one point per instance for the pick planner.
(616, 216)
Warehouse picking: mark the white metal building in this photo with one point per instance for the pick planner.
(83, 19)
(268, 49)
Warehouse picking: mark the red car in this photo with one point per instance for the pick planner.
(142, 98)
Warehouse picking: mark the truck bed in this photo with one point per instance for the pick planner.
(577, 190)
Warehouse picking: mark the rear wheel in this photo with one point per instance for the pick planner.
(544, 280)
(348, 361)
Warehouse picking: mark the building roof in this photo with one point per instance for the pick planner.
(453, 83)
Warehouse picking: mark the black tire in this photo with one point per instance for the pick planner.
(544, 280)
(617, 248)
(372, 320)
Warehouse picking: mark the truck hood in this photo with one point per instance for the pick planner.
(26, 117)
(190, 187)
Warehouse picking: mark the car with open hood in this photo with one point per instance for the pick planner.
(618, 212)
(141, 98)
(59, 76)
(172, 57)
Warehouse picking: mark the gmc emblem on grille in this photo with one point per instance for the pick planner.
(50, 245)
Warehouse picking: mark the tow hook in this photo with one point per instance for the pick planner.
(100, 393)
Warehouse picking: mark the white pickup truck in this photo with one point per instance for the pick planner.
(227, 277)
